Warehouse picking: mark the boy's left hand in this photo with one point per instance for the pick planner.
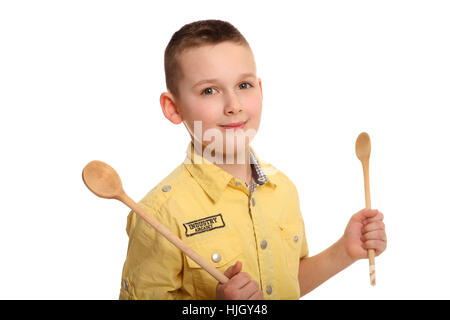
(364, 231)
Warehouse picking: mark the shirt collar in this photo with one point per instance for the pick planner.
(214, 179)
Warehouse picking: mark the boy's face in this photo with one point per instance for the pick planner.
(220, 87)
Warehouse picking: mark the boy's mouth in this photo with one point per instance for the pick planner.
(235, 125)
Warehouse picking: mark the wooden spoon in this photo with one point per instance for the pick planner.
(362, 147)
(104, 182)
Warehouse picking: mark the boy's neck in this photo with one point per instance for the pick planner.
(237, 169)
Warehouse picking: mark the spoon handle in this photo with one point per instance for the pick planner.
(368, 205)
(169, 235)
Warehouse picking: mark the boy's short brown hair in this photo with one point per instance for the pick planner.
(193, 35)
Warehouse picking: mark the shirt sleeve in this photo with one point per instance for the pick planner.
(153, 265)
(304, 252)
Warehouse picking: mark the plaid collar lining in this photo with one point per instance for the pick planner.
(258, 176)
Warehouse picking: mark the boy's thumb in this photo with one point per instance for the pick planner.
(233, 270)
(365, 213)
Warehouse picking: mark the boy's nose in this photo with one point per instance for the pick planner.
(233, 109)
(233, 105)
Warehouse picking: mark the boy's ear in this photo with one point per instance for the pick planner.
(169, 108)
(260, 86)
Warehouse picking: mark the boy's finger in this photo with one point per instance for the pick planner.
(365, 214)
(249, 289)
(378, 217)
(376, 225)
(378, 245)
(370, 213)
(233, 270)
(258, 295)
(240, 280)
(375, 235)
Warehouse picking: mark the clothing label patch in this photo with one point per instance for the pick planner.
(205, 224)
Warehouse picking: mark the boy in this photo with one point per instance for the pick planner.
(237, 212)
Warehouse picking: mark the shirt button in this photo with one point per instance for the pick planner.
(261, 179)
(263, 244)
(166, 188)
(253, 201)
(216, 257)
(269, 289)
(237, 183)
(295, 239)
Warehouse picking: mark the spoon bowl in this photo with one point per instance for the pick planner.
(362, 146)
(102, 180)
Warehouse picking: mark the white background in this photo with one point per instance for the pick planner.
(80, 80)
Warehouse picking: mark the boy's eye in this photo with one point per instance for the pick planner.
(208, 91)
(249, 85)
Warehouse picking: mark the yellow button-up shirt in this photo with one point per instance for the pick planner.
(223, 220)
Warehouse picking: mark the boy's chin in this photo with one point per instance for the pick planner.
(229, 154)
(233, 148)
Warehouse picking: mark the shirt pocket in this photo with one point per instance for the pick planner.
(291, 241)
(222, 252)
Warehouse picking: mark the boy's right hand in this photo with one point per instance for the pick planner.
(239, 287)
